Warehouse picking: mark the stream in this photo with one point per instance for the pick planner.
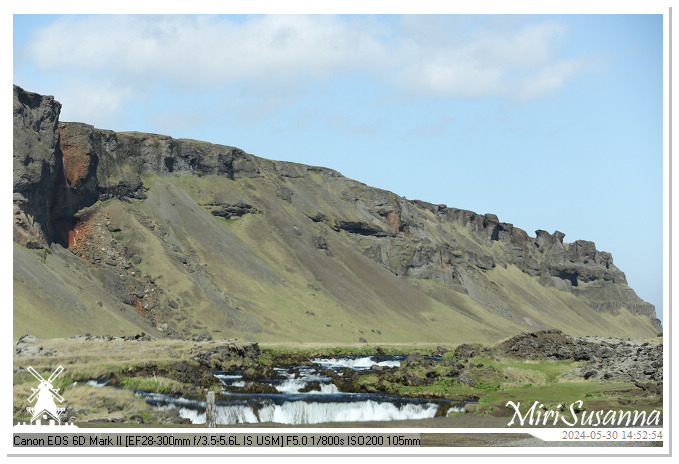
(287, 400)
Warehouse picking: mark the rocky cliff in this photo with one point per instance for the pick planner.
(37, 166)
(207, 239)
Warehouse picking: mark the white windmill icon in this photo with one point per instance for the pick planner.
(46, 394)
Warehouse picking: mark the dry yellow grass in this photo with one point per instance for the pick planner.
(516, 376)
(98, 359)
(88, 403)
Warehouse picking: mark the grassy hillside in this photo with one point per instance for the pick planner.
(282, 272)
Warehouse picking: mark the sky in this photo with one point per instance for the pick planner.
(550, 122)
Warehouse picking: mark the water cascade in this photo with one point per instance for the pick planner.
(290, 400)
(301, 412)
(67, 184)
(363, 362)
(65, 223)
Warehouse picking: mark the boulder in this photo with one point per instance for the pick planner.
(229, 355)
(464, 379)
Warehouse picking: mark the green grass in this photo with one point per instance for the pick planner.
(548, 370)
(154, 384)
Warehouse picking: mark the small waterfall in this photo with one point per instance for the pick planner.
(329, 388)
(295, 383)
(98, 383)
(66, 225)
(73, 236)
(289, 402)
(291, 386)
(458, 408)
(63, 170)
(354, 363)
(302, 412)
(226, 379)
(68, 192)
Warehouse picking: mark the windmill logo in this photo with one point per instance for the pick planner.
(45, 406)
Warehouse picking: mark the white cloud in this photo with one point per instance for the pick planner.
(547, 79)
(204, 49)
(92, 101)
(521, 63)
(113, 58)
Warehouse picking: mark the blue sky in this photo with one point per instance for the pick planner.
(551, 122)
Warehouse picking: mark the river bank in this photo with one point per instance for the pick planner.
(547, 366)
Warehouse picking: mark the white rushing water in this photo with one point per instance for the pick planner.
(97, 383)
(354, 363)
(226, 378)
(296, 382)
(301, 412)
(288, 402)
(295, 385)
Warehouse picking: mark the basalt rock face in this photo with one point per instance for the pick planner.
(290, 229)
(36, 166)
(101, 164)
(459, 260)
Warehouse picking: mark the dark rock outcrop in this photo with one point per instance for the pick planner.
(546, 344)
(110, 165)
(229, 355)
(232, 210)
(37, 167)
(613, 360)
